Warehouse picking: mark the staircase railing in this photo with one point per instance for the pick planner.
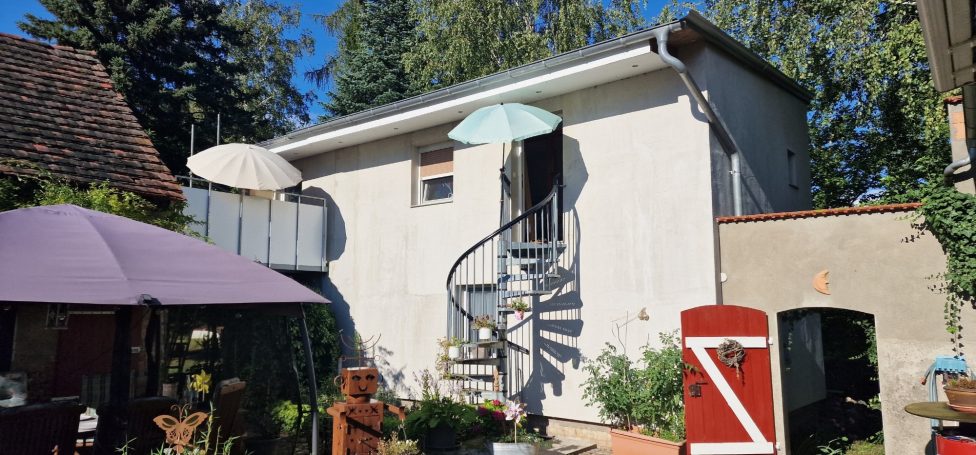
(514, 262)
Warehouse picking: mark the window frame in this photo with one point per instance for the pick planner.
(418, 183)
(792, 174)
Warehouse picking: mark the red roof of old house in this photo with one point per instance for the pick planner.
(861, 210)
(59, 112)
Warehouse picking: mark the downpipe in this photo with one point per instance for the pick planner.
(731, 149)
(969, 116)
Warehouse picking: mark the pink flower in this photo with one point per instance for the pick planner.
(515, 411)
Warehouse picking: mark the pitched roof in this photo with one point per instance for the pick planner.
(59, 112)
(860, 210)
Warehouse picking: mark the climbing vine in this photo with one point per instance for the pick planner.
(950, 216)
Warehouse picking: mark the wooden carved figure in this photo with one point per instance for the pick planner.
(356, 422)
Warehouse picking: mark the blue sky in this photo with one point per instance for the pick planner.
(12, 11)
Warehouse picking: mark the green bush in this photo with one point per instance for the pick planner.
(440, 411)
(646, 395)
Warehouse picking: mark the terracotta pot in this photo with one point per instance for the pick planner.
(963, 400)
(511, 448)
(633, 443)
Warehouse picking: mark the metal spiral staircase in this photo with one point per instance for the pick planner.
(517, 262)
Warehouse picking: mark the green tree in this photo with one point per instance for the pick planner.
(465, 39)
(877, 127)
(182, 61)
(371, 71)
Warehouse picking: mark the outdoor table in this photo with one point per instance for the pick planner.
(941, 411)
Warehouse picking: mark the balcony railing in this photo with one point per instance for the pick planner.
(281, 230)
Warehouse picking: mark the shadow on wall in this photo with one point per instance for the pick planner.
(335, 247)
(552, 331)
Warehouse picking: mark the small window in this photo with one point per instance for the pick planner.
(791, 168)
(436, 174)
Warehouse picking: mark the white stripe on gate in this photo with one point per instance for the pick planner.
(759, 444)
(730, 448)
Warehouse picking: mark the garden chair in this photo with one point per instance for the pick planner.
(132, 425)
(40, 429)
(228, 422)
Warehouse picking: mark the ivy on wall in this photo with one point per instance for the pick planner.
(950, 216)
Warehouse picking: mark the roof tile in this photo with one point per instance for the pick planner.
(860, 210)
(59, 111)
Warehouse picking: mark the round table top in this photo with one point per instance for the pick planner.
(939, 410)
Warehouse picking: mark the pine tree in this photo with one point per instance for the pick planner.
(372, 71)
(178, 62)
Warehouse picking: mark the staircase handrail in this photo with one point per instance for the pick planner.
(531, 211)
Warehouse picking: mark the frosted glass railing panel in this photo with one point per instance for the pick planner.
(283, 232)
(223, 219)
(311, 236)
(286, 234)
(254, 231)
(196, 206)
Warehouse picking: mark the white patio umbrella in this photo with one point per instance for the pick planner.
(244, 166)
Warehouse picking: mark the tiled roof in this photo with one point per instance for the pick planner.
(861, 210)
(59, 112)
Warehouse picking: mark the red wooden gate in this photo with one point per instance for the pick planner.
(727, 410)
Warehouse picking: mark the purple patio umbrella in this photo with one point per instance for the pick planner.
(68, 254)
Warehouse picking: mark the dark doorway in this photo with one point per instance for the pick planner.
(828, 361)
(543, 169)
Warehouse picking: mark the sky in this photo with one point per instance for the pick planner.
(13, 11)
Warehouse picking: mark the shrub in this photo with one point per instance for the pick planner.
(647, 395)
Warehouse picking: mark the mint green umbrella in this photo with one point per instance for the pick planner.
(503, 123)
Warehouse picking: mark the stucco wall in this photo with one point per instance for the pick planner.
(765, 120)
(637, 193)
(877, 267)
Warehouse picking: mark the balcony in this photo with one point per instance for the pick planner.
(281, 230)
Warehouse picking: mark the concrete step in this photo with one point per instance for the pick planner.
(562, 445)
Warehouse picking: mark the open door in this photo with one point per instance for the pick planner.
(542, 158)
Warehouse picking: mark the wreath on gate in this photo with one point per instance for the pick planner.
(731, 354)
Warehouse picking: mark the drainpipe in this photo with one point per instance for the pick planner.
(969, 116)
(728, 143)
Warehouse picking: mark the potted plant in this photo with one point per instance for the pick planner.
(485, 326)
(643, 400)
(520, 308)
(453, 347)
(438, 421)
(961, 393)
(502, 424)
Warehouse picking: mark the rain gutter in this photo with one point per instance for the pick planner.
(969, 116)
(729, 145)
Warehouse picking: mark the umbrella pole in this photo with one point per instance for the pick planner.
(313, 389)
(121, 356)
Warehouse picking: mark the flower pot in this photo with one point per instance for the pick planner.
(453, 352)
(511, 448)
(633, 443)
(519, 315)
(441, 437)
(484, 333)
(963, 400)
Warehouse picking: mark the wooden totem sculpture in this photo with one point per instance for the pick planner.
(356, 422)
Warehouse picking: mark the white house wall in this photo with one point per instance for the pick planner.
(638, 189)
(766, 121)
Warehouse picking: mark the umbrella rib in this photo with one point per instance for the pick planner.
(108, 246)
